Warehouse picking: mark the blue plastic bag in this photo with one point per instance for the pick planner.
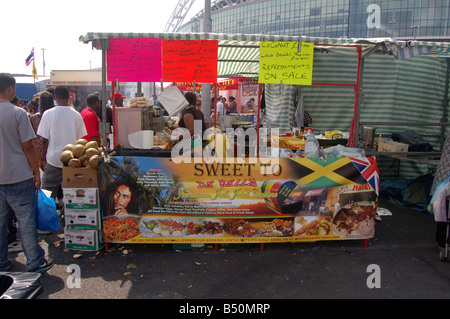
(47, 216)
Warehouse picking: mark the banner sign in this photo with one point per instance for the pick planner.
(231, 84)
(188, 61)
(154, 200)
(283, 62)
(134, 60)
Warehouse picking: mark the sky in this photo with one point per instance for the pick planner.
(56, 26)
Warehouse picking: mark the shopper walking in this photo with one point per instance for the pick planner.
(59, 126)
(19, 179)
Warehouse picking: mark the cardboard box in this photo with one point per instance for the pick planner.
(83, 218)
(88, 240)
(81, 198)
(392, 146)
(84, 177)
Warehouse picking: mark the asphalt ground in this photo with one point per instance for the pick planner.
(400, 262)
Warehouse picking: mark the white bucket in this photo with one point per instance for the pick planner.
(141, 139)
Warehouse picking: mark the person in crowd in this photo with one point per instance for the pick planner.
(33, 105)
(16, 101)
(118, 99)
(46, 103)
(59, 126)
(91, 120)
(232, 107)
(109, 118)
(52, 91)
(19, 179)
(71, 103)
(221, 111)
(224, 102)
(190, 114)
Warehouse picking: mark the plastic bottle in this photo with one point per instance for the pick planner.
(380, 139)
(311, 145)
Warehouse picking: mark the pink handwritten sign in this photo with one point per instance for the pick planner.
(134, 60)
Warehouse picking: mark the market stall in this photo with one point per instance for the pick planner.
(271, 199)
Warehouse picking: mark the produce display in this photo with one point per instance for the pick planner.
(81, 154)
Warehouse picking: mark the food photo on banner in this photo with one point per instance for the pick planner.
(154, 200)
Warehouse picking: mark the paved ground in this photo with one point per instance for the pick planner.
(404, 249)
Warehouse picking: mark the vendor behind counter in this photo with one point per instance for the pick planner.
(191, 113)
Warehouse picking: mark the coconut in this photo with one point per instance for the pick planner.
(82, 141)
(74, 162)
(91, 152)
(68, 147)
(78, 150)
(66, 156)
(91, 144)
(93, 161)
(83, 160)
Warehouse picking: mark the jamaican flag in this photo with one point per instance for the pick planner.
(316, 173)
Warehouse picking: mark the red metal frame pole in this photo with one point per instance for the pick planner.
(258, 119)
(352, 136)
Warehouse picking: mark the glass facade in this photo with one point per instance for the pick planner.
(332, 18)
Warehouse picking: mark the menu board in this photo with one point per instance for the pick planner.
(187, 61)
(134, 60)
(281, 62)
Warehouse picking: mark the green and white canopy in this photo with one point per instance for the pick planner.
(403, 82)
(239, 53)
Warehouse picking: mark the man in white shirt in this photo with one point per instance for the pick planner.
(59, 126)
(221, 114)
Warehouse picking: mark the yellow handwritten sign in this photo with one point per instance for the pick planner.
(280, 62)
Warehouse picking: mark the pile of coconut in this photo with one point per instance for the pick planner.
(81, 154)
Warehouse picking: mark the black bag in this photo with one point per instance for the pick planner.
(416, 142)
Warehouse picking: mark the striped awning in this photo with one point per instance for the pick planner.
(239, 53)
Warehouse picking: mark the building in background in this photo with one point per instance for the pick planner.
(329, 18)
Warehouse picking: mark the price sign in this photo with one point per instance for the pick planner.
(187, 61)
(134, 60)
(282, 62)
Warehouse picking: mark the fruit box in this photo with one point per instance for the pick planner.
(83, 218)
(79, 177)
(88, 240)
(81, 198)
(392, 146)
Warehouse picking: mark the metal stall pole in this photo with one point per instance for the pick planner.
(206, 87)
(352, 137)
(358, 104)
(445, 105)
(105, 46)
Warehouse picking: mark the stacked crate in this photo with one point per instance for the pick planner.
(83, 222)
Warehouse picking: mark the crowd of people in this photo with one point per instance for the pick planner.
(32, 136)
